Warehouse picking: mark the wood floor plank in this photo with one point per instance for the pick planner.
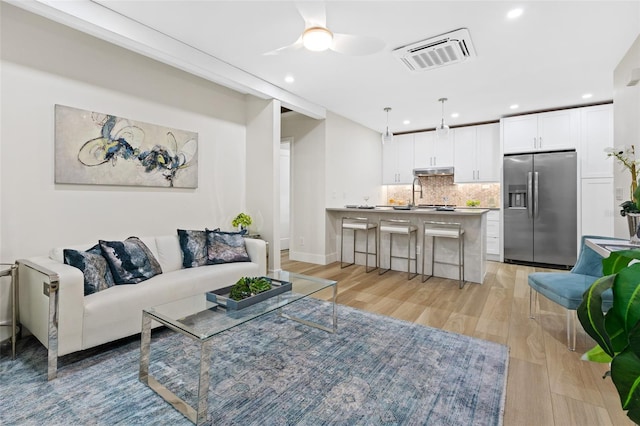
(546, 384)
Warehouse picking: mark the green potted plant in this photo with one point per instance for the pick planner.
(617, 332)
(241, 221)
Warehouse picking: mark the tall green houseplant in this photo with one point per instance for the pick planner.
(617, 332)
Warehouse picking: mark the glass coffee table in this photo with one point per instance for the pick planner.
(201, 320)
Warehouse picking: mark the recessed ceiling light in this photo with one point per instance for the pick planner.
(587, 96)
(514, 13)
(514, 106)
(406, 122)
(289, 78)
(455, 115)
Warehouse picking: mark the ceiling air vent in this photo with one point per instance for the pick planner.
(445, 49)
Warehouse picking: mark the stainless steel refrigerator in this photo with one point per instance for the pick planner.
(540, 208)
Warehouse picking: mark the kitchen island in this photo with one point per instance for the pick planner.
(474, 223)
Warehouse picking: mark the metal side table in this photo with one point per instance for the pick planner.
(10, 270)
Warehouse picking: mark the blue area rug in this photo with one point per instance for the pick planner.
(375, 371)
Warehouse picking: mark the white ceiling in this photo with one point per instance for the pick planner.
(548, 58)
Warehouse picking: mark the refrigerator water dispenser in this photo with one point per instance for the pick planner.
(517, 196)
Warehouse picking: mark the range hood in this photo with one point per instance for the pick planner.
(434, 171)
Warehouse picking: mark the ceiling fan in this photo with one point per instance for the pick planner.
(317, 37)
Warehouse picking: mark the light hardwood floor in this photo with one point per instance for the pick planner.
(546, 385)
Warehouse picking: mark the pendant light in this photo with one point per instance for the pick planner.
(442, 131)
(387, 136)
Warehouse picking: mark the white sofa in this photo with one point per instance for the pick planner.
(52, 305)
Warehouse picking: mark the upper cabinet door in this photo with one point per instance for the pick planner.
(405, 158)
(488, 153)
(464, 139)
(558, 130)
(424, 149)
(397, 161)
(596, 134)
(477, 153)
(389, 164)
(443, 151)
(520, 133)
(431, 151)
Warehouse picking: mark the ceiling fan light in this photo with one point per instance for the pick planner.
(317, 39)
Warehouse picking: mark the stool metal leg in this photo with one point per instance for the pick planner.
(461, 261)
(342, 265)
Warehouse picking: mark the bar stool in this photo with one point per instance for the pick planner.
(400, 227)
(443, 230)
(356, 224)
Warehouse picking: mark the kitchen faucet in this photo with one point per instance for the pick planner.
(413, 190)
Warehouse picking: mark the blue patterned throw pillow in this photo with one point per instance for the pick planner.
(130, 260)
(97, 274)
(194, 247)
(226, 247)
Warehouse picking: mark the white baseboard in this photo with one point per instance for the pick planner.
(317, 259)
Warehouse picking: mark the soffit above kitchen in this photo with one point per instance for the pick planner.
(547, 58)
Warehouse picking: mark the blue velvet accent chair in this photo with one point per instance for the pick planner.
(566, 288)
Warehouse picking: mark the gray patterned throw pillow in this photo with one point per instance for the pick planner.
(130, 260)
(97, 274)
(194, 247)
(226, 247)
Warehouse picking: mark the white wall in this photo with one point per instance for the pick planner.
(307, 186)
(43, 64)
(353, 170)
(263, 172)
(626, 119)
(334, 162)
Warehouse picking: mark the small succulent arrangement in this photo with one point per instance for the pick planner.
(249, 286)
(242, 220)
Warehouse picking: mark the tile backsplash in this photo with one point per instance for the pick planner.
(442, 190)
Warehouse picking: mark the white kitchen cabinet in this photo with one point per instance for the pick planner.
(493, 235)
(596, 134)
(477, 153)
(397, 160)
(598, 207)
(431, 151)
(546, 131)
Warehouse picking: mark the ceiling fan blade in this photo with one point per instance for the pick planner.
(314, 13)
(286, 49)
(356, 45)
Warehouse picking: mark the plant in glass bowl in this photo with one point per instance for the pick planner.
(242, 221)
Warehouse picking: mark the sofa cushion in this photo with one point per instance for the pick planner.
(130, 260)
(169, 253)
(226, 247)
(193, 244)
(97, 274)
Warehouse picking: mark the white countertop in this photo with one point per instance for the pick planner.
(415, 211)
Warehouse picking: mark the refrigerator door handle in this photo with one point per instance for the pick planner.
(535, 195)
(529, 193)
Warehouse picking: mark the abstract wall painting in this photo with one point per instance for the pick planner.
(103, 149)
